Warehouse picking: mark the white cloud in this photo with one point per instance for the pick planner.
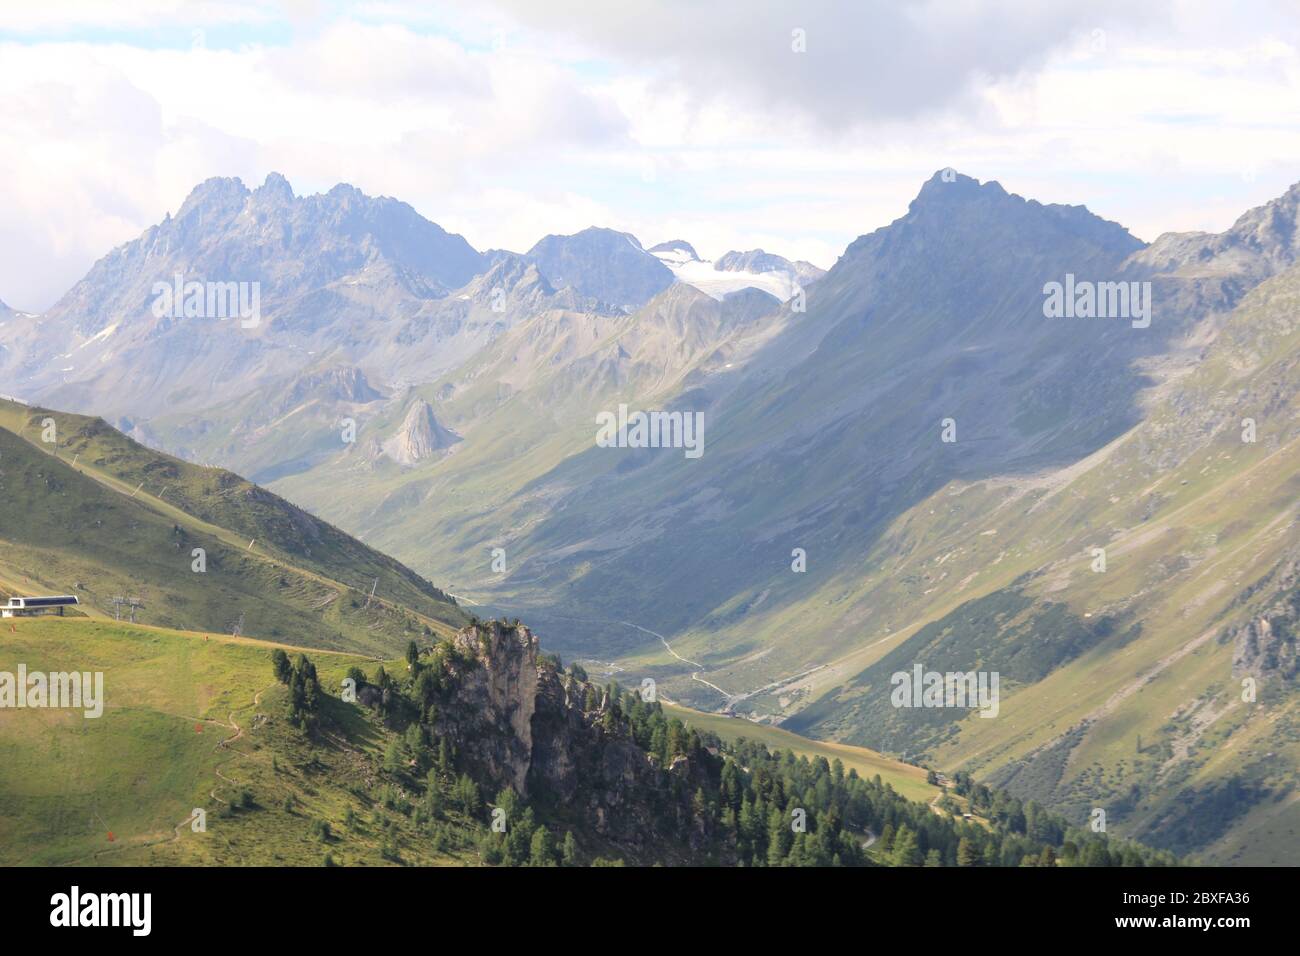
(695, 125)
(841, 64)
(56, 15)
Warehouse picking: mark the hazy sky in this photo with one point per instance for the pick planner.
(511, 119)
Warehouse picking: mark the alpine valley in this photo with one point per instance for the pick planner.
(907, 462)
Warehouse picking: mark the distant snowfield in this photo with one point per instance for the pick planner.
(710, 281)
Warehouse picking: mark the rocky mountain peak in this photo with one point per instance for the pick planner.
(948, 185)
(950, 194)
(1262, 242)
(419, 436)
(275, 188)
(345, 191)
(755, 260)
(605, 264)
(217, 193)
(513, 272)
(1271, 229)
(959, 212)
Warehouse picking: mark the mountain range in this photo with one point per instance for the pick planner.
(909, 459)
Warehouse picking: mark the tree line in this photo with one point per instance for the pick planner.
(749, 806)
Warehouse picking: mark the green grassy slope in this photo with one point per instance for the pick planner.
(189, 722)
(99, 515)
(199, 723)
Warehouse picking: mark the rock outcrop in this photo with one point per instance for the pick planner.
(1266, 644)
(420, 436)
(520, 721)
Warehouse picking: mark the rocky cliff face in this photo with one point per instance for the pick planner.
(519, 721)
(1265, 645)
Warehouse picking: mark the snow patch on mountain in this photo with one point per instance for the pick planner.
(780, 278)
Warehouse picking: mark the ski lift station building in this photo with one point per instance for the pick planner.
(30, 606)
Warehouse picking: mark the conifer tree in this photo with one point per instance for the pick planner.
(541, 852)
(905, 851)
(967, 855)
(569, 850)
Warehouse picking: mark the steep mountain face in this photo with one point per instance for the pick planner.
(340, 384)
(291, 411)
(269, 284)
(1122, 683)
(604, 264)
(834, 426)
(829, 422)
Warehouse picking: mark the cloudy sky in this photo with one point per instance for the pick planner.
(794, 126)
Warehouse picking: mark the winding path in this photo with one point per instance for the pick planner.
(222, 744)
(695, 675)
